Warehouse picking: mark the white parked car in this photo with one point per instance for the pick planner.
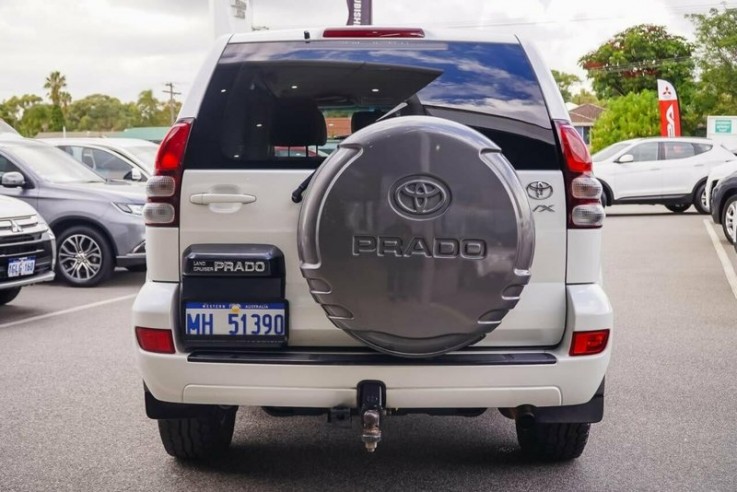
(27, 248)
(665, 171)
(393, 276)
(130, 159)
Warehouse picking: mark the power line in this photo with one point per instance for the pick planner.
(171, 93)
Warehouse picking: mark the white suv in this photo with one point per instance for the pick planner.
(665, 171)
(444, 259)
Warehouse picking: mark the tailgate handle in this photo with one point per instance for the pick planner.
(210, 198)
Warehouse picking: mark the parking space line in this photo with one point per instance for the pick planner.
(723, 258)
(67, 311)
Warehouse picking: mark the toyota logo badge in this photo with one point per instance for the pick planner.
(420, 197)
(539, 190)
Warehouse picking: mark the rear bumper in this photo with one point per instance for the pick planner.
(547, 378)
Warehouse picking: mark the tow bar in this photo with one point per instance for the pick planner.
(371, 395)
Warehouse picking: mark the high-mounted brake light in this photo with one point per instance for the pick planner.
(583, 190)
(589, 342)
(163, 188)
(367, 32)
(155, 340)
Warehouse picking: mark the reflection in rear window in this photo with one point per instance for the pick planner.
(265, 97)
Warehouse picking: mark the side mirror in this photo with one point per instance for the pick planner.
(13, 179)
(136, 174)
(626, 158)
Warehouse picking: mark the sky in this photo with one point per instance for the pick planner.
(121, 47)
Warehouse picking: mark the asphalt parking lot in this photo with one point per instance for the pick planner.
(72, 409)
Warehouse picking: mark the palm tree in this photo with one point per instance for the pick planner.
(55, 83)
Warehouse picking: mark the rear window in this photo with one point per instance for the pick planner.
(288, 105)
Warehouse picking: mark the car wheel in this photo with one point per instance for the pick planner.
(552, 442)
(8, 295)
(729, 216)
(198, 437)
(84, 257)
(678, 208)
(699, 199)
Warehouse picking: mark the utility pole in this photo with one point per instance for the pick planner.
(171, 93)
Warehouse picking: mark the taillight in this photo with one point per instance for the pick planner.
(163, 188)
(155, 340)
(583, 190)
(368, 32)
(589, 342)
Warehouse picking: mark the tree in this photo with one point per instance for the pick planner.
(55, 84)
(586, 97)
(12, 110)
(631, 116)
(635, 58)
(36, 118)
(565, 81)
(100, 112)
(151, 111)
(716, 39)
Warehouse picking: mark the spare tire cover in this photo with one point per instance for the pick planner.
(416, 236)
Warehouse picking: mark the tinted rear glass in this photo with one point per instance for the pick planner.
(288, 105)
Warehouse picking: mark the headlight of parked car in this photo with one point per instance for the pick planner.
(130, 208)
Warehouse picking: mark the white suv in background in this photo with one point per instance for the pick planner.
(664, 171)
(27, 247)
(444, 259)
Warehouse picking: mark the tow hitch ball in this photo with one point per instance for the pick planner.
(371, 404)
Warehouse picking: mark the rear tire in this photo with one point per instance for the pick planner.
(729, 218)
(553, 442)
(678, 208)
(699, 199)
(7, 295)
(200, 437)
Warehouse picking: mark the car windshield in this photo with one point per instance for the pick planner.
(54, 165)
(146, 155)
(609, 152)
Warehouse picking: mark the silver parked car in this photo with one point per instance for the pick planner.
(98, 223)
(131, 159)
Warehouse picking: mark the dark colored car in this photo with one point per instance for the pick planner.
(724, 205)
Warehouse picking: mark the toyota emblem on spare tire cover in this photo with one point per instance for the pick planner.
(539, 190)
(420, 197)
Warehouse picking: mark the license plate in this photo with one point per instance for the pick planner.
(20, 267)
(257, 320)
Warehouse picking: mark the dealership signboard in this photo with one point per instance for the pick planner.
(359, 12)
(723, 129)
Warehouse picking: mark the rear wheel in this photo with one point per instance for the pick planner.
(8, 295)
(699, 199)
(198, 437)
(678, 208)
(84, 258)
(552, 442)
(729, 215)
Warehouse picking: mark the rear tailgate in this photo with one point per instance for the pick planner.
(222, 159)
